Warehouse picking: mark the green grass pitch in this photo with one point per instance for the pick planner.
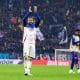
(16, 72)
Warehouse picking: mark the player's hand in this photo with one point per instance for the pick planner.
(35, 9)
(30, 9)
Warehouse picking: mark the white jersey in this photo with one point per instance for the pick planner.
(29, 38)
(74, 47)
(29, 35)
(39, 34)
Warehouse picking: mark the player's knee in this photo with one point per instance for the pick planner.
(25, 57)
(28, 58)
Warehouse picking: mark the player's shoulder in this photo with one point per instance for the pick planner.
(25, 28)
(74, 36)
(37, 29)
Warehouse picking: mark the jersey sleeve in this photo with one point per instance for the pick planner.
(25, 18)
(39, 34)
(38, 19)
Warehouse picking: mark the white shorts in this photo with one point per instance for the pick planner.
(29, 50)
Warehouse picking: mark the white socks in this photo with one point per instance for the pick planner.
(71, 71)
(27, 66)
(78, 71)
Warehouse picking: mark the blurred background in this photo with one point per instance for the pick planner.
(58, 20)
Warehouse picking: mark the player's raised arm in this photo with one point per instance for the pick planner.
(38, 19)
(26, 16)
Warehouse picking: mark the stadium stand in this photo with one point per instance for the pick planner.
(55, 15)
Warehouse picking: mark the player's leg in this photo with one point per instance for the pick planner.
(78, 69)
(77, 65)
(30, 57)
(72, 63)
(32, 50)
(71, 67)
(27, 65)
(26, 54)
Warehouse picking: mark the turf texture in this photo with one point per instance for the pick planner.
(16, 72)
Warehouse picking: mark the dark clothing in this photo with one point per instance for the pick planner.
(74, 57)
(33, 15)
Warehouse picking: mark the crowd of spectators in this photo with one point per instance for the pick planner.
(55, 15)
